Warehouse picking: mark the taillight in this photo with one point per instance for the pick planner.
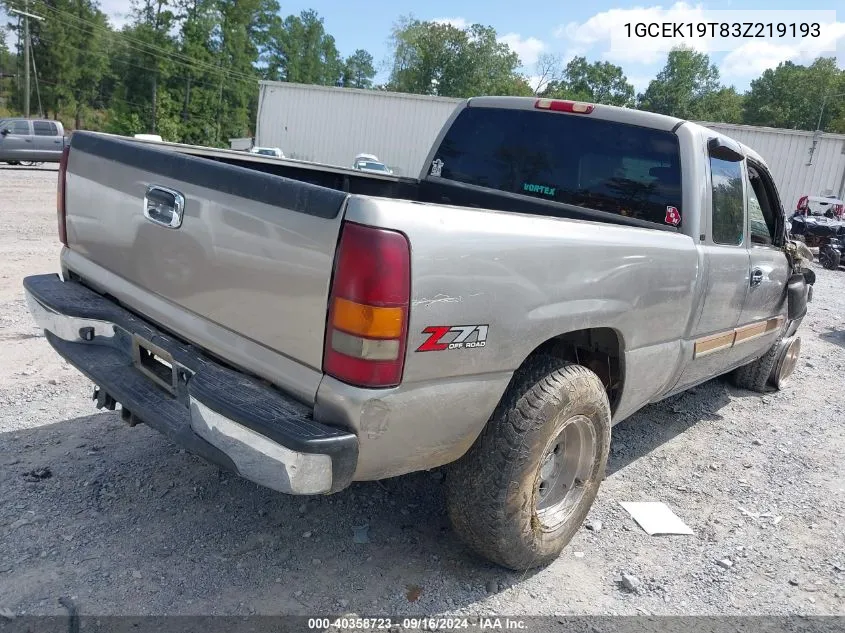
(558, 105)
(367, 327)
(60, 197)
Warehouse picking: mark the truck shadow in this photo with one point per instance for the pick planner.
(659, 423)
(124, 512)
(837, 337)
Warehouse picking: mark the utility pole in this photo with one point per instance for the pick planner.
(26, 46)
(26, 60)
(818, 133)
(824, 103)
(155, 97)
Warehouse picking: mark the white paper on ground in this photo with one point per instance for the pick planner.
(655, 517)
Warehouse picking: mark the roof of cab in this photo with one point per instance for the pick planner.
(608, 112)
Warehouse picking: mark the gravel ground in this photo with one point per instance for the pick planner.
(126, 522)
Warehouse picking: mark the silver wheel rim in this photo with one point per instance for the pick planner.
(789, 361)
(565, 471)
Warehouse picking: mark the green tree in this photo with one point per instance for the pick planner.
(441, 59)
(143, 62)
(91, 40)
(196, 82)
(8, 65)
(599, 82)
(358, 70)
(681, 86)
(68, 57)
(302, 52)
(246, 34)
(721, 106)
(791, 96)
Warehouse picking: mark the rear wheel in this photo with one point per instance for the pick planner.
(524, 488)
(829, 257)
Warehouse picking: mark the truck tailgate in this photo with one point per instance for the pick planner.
(253, 252)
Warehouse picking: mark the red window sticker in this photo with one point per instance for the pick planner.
(673, 216)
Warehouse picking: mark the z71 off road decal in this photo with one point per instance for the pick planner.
(442, 337)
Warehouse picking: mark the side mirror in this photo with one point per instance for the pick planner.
(5, 131)
(724, 149)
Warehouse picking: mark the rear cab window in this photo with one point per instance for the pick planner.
(603, 165)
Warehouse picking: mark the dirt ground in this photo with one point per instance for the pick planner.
(127, 523)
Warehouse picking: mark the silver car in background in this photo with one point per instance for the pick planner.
(371, 163)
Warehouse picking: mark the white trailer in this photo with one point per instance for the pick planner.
(333, 125)
(241, 144)
(802, 163)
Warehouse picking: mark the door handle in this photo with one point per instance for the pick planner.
(756, 277)
(28, 140)
(164, 206)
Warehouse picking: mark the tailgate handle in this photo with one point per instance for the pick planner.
(164, 206)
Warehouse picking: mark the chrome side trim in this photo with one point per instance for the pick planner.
(261, 460)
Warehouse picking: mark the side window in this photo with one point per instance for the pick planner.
(728, 216)
(44, 128)
(20, 127)
(758, 229)
(761, 212)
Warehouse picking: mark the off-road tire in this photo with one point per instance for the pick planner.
(755, 375)
(829, 257)
(490, 491)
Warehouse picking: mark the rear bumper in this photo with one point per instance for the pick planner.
(223, 415)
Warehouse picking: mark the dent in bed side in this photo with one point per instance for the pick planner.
(414, 426)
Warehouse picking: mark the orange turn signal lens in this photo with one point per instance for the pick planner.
(369, 321)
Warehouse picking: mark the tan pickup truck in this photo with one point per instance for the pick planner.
(556, 267)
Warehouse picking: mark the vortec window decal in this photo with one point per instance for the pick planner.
(443, 337)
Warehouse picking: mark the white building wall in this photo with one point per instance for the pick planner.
(787, 154)
(332, 125)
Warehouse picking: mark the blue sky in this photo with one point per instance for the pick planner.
(592, 29)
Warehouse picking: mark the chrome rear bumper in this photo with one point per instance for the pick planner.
(228, 417)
